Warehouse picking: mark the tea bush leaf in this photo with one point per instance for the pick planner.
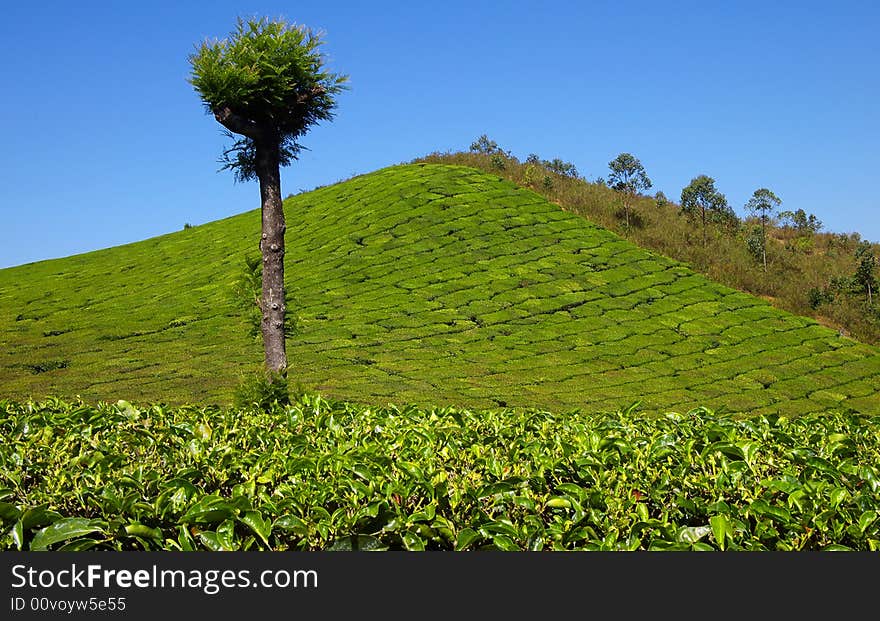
(9, 512)
(465, 538)
(143, 531)
(722, 530)
(64, 530)
(866, 519)
(209, 510)
(261, 527)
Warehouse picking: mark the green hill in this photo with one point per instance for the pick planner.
(424, 284)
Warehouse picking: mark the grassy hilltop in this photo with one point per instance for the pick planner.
(425, 284)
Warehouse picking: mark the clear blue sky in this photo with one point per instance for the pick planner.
(105, 142)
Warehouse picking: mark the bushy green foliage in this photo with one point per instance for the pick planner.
(756, 243)
(272, 76)
(246, 292)
(818, 297)
(629, 177)
(701, 200)
(865, 278)
(556, 166)
(262, 390)
(320, 475)
(803, 223)
(486, 146)
(561, 167)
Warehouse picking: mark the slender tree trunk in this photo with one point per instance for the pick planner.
(763, 243)
(272, 251)
(703, 214)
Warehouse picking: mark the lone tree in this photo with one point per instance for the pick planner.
(628, 176)
(763, 203)
(701, 197)
(864, 278)
(267, 85)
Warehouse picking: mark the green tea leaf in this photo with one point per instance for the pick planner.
(63, 530)
(465, 538)
(185, 540)
(226, 535)
(261, 527)
(209, 510)
(558, 502)
(763, 508)
(293, 524)
(9, 512)
(503, 542)
(140, 530)
(692, 534)
(413, 542)
(18, 535)
(211, 541)
(721, 529)
(824, 466)
(866, 519)
(36, 517)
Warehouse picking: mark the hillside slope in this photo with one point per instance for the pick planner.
(425, 284)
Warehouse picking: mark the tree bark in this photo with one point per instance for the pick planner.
(238, 124)
(703, 214)
(272, 251)
(764, 242)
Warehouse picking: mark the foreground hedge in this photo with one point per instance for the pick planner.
(320, 475)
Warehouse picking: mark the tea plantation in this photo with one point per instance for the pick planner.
(323, 475)
(424, 284)
(520, 336)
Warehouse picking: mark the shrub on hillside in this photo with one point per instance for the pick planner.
(263, 391)
(816, 297)
(486, 146)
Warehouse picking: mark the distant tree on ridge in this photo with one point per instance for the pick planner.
(628, 176)
(701, 198)
(763, 203)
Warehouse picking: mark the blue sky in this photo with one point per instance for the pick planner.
(105, 142)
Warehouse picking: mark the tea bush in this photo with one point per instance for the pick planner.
(324, 475)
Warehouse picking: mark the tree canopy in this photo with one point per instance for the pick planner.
(701, 198)
(628, 175)
(763, 203)
(268, 83)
